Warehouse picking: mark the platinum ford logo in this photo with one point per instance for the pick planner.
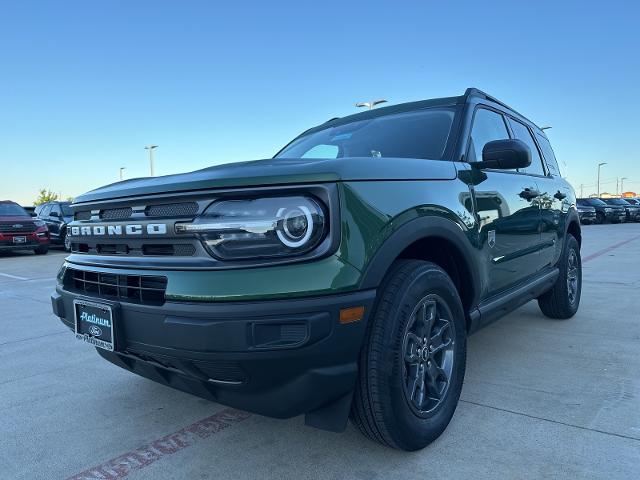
(17, 225)
(132, 229)
(95, 331)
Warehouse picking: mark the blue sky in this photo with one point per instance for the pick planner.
(85, 85)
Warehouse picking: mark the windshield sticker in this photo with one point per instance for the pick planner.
(342, 136)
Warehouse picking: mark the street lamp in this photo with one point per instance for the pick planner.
(599, 165)
(151, 148)
(122, 169)
(371, 104)
(622, 185)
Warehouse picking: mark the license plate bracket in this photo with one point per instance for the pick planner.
(94, 323)
(20, 239)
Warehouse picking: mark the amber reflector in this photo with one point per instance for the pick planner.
(350, 315)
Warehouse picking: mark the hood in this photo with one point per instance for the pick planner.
(16, 219)
(280, 171)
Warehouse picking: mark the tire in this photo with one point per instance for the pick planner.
(66, 241)
(563, 300)
(384, 408)
(41, 250)
(600, 218)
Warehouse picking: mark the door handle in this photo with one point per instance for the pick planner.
(529, 194)
(560, 196)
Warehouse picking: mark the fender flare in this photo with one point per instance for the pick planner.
(573, 217)
(417, 229)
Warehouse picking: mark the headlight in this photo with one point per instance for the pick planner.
(607, 210)
(39, 223)
(259, 228)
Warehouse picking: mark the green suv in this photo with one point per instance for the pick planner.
(339, 279)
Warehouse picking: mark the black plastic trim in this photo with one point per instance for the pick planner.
(417, 229)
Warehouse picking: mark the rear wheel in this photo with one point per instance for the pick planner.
(563, 300)
(412, 364)
(41, 250)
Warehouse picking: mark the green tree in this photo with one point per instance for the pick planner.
(45, 196)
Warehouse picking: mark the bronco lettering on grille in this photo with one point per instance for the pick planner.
(130, 229)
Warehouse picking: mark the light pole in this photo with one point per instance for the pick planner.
(371, 104)
(599, 165)
(622, 185)
(151, 148)
(122, 169)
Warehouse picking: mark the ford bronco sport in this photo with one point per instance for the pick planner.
(338, 279)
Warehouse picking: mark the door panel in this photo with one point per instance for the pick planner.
(555, 201)
(507, 210)
(509, 227)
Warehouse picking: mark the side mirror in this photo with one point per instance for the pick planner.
(54, 214)
(504, 155)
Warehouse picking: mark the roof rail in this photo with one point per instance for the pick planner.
(476, 92)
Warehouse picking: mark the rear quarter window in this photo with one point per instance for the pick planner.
(549, 156)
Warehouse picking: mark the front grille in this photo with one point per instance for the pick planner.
(24, 227)
(147, 250)
(224, 371)
(188, 209)
(116, 213)
(144, 289)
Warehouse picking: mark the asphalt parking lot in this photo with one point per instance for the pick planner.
(542, 398)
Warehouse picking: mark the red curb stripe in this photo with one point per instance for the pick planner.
(608, 249)
(141, 457)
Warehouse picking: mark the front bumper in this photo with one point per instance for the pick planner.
(587, 217)
(279, 358)
(32, 240)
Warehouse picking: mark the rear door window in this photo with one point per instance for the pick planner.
(549, 156)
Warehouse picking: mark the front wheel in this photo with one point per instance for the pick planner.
(66, 241)
(412, 363)
(41, 250)
(563, 300)
(600, 218)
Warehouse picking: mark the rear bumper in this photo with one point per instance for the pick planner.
(279, 358)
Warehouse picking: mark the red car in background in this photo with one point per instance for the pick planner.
(19, 231)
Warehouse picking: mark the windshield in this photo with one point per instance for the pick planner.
(66, 210)
(596, 202)
(12, 210)
(618, 201)
(417, 134)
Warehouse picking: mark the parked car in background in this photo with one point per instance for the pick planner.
(604, 211)
(633, 201)
(632, 211)
(31, 210)
(57, 215)
(587, 214)
(19, 231)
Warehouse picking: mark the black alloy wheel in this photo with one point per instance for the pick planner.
(428, 353)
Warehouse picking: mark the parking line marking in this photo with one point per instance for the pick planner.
(15, 277)
(122, 465)
(599, 253)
